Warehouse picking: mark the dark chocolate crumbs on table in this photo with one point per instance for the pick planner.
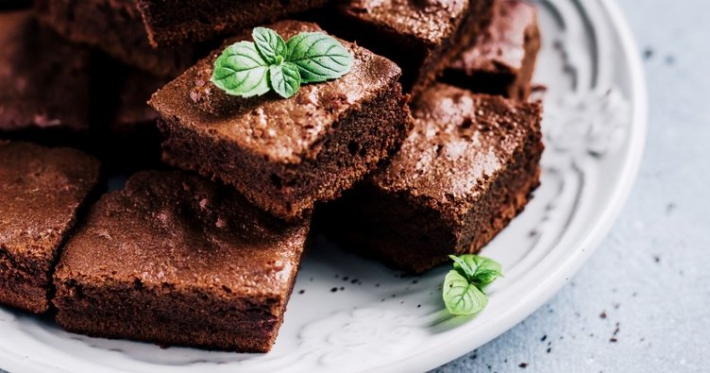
(419, 306)
(523, 365)
(544, 337)
(346, 278)
(648, 53)
(656, 258)
(602, 315)
(613, 340)
(333, 290)
(549, 349)
(301, 291)
(342, 288)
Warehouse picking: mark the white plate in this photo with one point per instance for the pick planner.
(595, 112)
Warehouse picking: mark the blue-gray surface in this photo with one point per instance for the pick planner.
(642, 303)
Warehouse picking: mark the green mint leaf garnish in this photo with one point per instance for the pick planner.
(247, 69)
(461, 297)
(318, 56)
(464, 286)
(241, 71)
(270, 45)
(285, 79)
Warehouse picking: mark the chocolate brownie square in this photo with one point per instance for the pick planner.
(465, 171)
(41, 190)
(421, 36)
(501, 61)
(284, 155)
(175, 259)
(115, 27)
(176, 22)
(44, 80)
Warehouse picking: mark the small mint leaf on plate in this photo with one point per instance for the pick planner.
(285, 79)
(463, 266)
(461, 297)
(270, 45)
(318, 56)
(241, 71)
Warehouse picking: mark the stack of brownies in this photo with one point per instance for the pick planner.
(427, 147)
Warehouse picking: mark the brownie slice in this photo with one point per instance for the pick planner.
(44, 81)
(116, 28)
(421, 36)
(41, 190)
(465, 171)
(176, 22)
(175, 259)
(501, 61)
(286, 154)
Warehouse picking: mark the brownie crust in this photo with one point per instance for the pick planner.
(41, 190)
(178, 22)
(502, 59)
(285, 155)
(45, 81)
(175, 259)
(467, 169)
(115, 27)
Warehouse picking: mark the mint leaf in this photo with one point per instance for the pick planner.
(463, 287)
(270, 45)
(463, 266)
(461, 297)
(241, 71)
(486, 272)
(285, 79)
(318, 56)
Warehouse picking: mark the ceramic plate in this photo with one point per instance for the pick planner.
(353, 315)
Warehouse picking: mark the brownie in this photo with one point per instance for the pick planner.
(501, 61)
(115, 27)
(468, 167)
(177, 22)
(421, 36)
(45, 81)
(286, 154)
(41, 190)
(175, 259)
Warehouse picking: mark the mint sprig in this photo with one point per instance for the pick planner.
(248, 69)
(464, 286)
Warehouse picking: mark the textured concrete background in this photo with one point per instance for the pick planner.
(642, 303)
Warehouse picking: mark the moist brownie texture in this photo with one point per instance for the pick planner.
(44, 81)
(286, 154)
(465, 171)
(422, 36)
(115, 27)
(41, 190)
(178, 21)
(502, 59)
(175, 259)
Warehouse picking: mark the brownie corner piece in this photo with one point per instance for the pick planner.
(502, 58)
(180, 21)
(41, 190)
(285, 155)
(178, 260)
(466, 170)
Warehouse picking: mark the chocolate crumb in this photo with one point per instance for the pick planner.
(523, 365)
(419, 306)
(333, 290)
(648, 53)
(656, 258)
(549, 349)
(602, 315)
(544, 337)
(342, 288)
(301, 291)
(613, 340)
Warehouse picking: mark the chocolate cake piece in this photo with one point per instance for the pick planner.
(41, 190)
(501, 61)
(177, 22)
(465, 171)
(284, 155)
(44, 81)
(115, 27)
(421, 36)
(175, 259)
